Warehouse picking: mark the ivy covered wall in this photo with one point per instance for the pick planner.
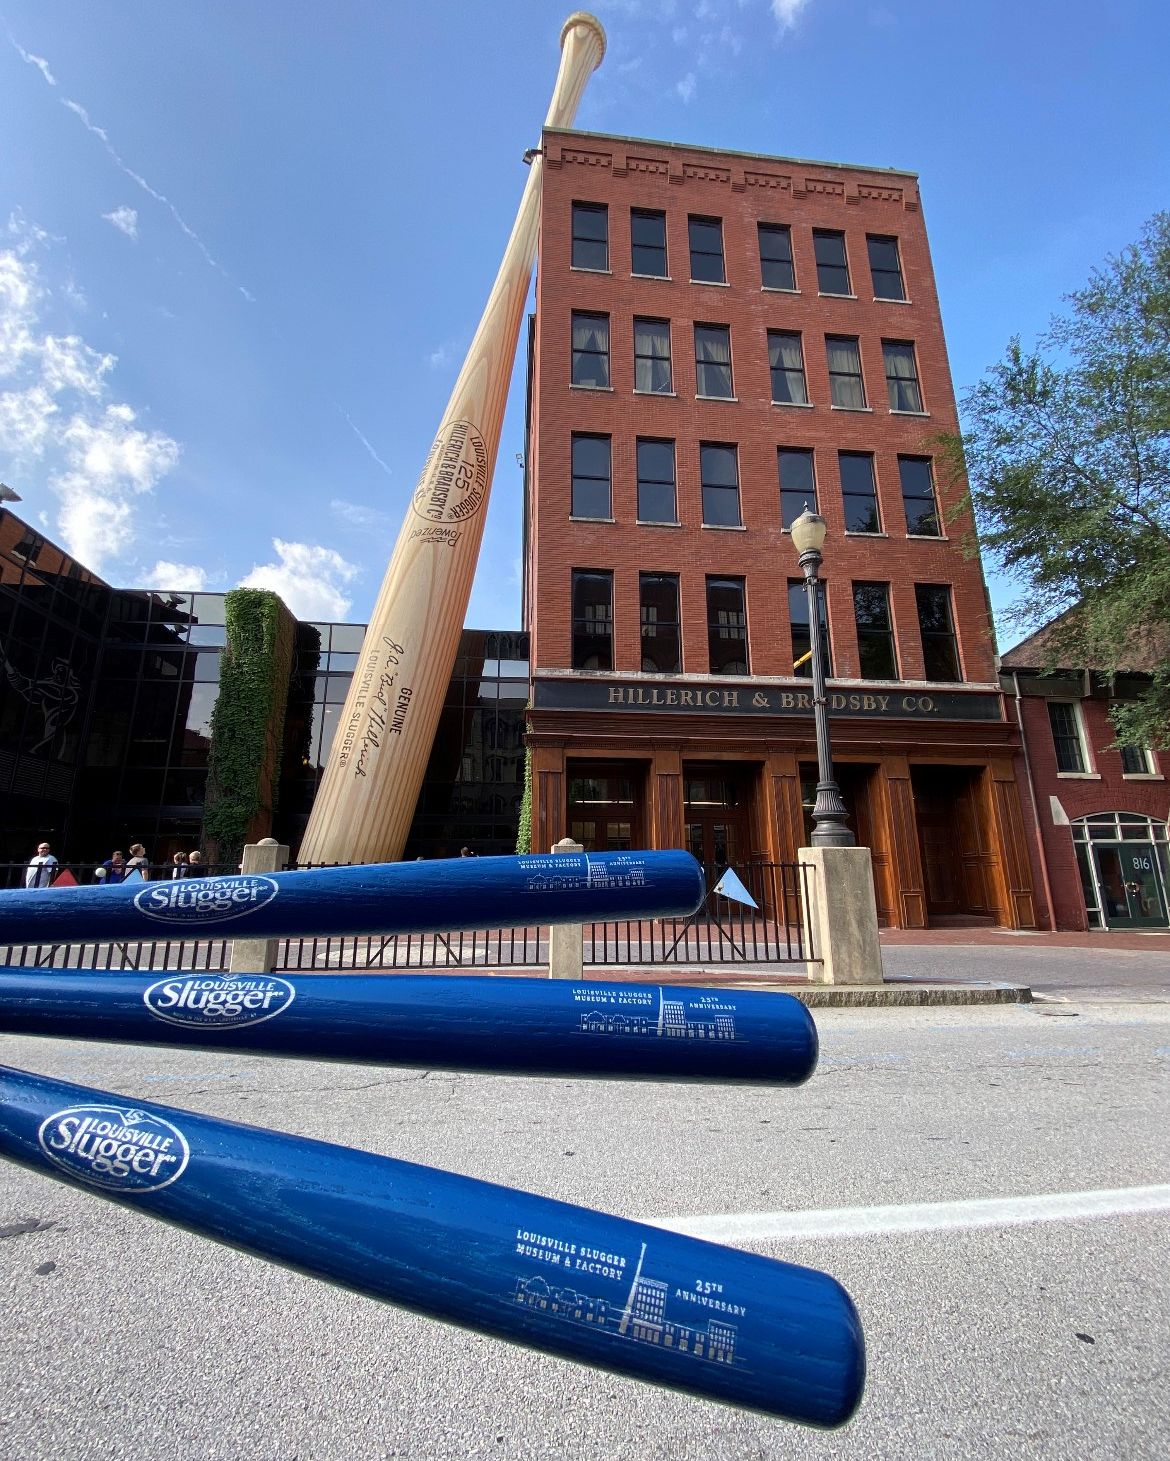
(247, 724)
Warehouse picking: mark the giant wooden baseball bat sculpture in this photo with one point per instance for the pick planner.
(626, 1297)
(375, 769)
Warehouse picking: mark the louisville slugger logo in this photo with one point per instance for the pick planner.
(454, 481)
(205, 900)
(209, 1002)
(117, 1148)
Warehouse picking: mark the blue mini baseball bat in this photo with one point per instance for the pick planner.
(459, 1022)
(623, 1296)
(397, 897)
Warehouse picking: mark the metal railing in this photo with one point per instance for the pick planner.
(721, 932)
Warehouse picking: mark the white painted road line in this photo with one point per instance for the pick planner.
(922, 1217)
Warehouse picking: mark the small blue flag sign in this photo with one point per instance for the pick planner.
(730, 886)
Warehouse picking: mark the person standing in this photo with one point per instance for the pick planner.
(112, 871)
(138, 861)
(42, 868)
(179, 865)
(196, 867)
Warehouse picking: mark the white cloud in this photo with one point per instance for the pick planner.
(38, 61)
(787, 12)
(441, 356)
(184, 578)
(357, 515)
(686, 87)
(310, 579)
(57, 419)
(125, 220)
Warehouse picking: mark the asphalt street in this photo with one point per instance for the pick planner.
(1038, 1336)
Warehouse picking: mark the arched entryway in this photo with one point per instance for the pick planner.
(1122, 861)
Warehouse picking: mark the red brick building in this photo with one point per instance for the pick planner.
(1100, 841)
(719, 339)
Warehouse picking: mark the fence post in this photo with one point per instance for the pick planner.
(564, 942)
(840, 916)
(258, 955)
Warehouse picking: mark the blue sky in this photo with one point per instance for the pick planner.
(244, 246)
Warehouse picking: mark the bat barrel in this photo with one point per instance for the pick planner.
(624, 1296)
(464, 1022)
(387, 898)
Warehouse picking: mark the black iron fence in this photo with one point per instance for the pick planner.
(723, 931)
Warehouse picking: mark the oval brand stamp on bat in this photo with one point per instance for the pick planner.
(215, 1003)
(454, 481)
(205, 900)
(115, 1147)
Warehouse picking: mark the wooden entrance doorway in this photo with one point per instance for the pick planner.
(951, 839)
(717, 805)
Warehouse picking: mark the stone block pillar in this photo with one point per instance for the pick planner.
(564, 942)
(258, 955)
(840, 916)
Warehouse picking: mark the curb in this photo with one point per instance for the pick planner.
(885, 996)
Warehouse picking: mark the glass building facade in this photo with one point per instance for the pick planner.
(106, 697)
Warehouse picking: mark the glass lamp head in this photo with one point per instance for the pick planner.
(808, 532)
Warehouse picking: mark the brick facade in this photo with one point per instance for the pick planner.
(657, 748)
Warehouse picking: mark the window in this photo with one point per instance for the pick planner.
(648, 243)
(918, 497)
(652, 357)
(875, 632)
(590, 236)
(859, 492)
(832, 264)
(901, 376)
(28, 550)
(590, 350)
(661, 645)
(591, 478)
(713, 361)
(1064, 717)
(801, 638)
(727, 645)
(776, 271)
(592, 620)
(845, 372)
(940, 649)
(885, 267)
(798, 488)
(656, 498)
(1136, 761)
(719, 473)
(706, 238)
(786, 359)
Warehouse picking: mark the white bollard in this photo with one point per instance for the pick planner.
(258, 955)
(564, 943)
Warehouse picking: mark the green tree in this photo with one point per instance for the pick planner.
(1067, 453)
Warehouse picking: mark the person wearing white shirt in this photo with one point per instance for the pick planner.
(41, 869)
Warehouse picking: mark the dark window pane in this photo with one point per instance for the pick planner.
(590, 350)
(719, 473)
(591, 477)
(1066, 739)
(1135, 761)
(648, 243)
(592, 595)
(797, 484)
(940, 651)
(875, 639)
(661, 647)
(918, 496)
(590, 236)
(776, 271)
(727, 626)
(706, 240)
(656, 494)
(885, 267)
(801, 639)
(859, 492)
(832, 264)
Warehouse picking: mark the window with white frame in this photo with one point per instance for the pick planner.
(1136, 761)
(1068, 737)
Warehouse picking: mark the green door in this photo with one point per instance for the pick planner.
(1131, 892)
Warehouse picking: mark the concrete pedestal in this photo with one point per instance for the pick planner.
(841, 917)
(564, 943)
(258, 955)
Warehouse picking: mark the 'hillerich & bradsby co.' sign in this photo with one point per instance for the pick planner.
(705, 698)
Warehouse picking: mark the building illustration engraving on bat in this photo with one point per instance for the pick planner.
(643, 1318)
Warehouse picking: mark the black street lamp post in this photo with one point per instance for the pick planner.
(829, 814)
